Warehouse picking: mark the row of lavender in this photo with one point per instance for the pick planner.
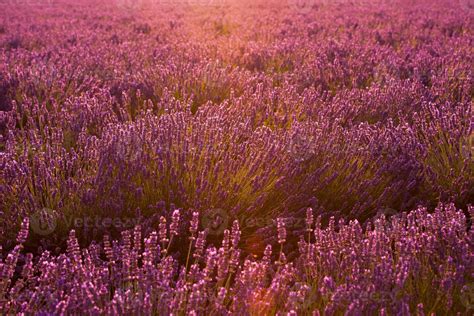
(111, 116)
(417, 263)
(352, 111)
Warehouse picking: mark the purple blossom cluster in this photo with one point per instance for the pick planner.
(419, 262)
(159, 151)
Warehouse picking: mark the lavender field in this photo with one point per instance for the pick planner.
(236, 157)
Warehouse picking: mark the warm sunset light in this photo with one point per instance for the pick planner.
(236, 157)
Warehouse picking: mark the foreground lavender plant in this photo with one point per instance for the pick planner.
(418, 262)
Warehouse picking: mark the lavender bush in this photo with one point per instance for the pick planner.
(241, 115)
(418, 262)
